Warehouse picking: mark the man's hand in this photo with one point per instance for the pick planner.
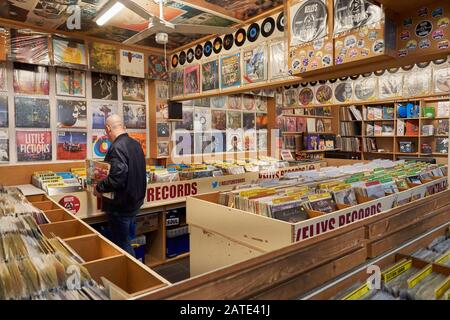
(96, 193)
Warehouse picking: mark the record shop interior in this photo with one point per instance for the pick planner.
(208, 149)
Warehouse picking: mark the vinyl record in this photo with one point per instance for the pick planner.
(295, 85)
(440, 61)
(190, 55)
(217, 46)
(240, 37)
(287, 87)
(198, 52)
(207, 48)
(280, 22)
(310, 21)
(253, 32)
(343, 78)
(407, 68)
(322, 81)
(354, 77)
(313, 83)
(333, 80)
(393, 70)
(380, 72)
(174, 61)
(423, 64)
(267, 27)
(304, 84)
(182, 58)
(228, 41)
(367, 74)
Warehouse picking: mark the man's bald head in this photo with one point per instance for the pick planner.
(114, 126)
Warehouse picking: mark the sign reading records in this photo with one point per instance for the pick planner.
(308, 21)
(350, 14)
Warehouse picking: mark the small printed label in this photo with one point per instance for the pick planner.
(438, 12)
(411, 45)
(443, 45)
(404, 35)
(424, 44)
(438, 34)
(443, 22)
(408, 22)
(350, 42)
(361, 43)
(402, 53)
(318, 44)
(365, 52)
(327, 59)
(339, 60)
(424, 28)
(373, 35)
(353, 53)
(422, 12)
(378, 46)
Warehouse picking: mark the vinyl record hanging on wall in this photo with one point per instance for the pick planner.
(280, 22)
(190, 55)
(228, 41)
(240, 37)
(217, 45)
(310, 21)
(267, 27)
(174, 61)
(207, 48)
(253, 32)
(182, 58)
(198, 52)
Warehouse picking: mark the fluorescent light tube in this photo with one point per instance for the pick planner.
(111, 12)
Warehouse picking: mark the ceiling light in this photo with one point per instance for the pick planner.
(108, 13)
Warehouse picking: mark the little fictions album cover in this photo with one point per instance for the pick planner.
(34, 145)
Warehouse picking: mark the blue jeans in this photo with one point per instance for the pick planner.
(122, 230)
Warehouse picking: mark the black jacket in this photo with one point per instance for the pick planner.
(127, 177)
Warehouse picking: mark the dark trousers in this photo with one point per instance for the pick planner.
(122, 229)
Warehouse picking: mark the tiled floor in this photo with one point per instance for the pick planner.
(175, 271)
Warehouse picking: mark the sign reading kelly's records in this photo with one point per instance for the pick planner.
(308, 21)
(132, 64)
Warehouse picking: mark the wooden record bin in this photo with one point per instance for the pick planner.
(102, 258)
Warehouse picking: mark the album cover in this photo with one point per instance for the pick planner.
(30, 79)
(324, 94)
(290, 97)
(234, 120)
(192, 79)
(162, 111)
(162, 130)
(308, 21)
(71, 145)
(162, 91)
(34, 146)
(218, 141)
(255, 65)
(262, 139)
(261, 104)
(261, 121)
(163, 149)
(417, 83)
(249, 142)
(249, 102)
(29, 47)
(234, 140)
(100, 145)
(234, 102)
(441, 80)
(70, 83)
(32, 112)
(71, 114)
(3, 77)
(101, 111)
(134, 116)
(366, 88)
(343, 91)
(140, 137)
(390, 85)
(4, 122)
(203, 142)
(218, 119)
(442, 145)
(218, 102)
(188, 120)
(132, 64)
(3, 43)
(353, 14)
(184, 143)
(249, 120)
(104, 86)
(306, 96)
(69, 52)
(102, 57)
(278, 65)
(210, 75)
(157, 67)
(177, 82)
(202, 119)
(133, 89)
(4, 146)
(231, 71)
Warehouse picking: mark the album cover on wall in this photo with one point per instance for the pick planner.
(134, 116)
(234, 140)
(71, 114)
(202, 142)
(417, 83)
(29, 47)
(249, 120)
(177, 82)
(132, 64)
(30, 79)
(202, 119)
(140, 137)
(101, 111)
(70, 83)
(192, 79)
(102, 57)
(3, 78)
(32, 112)
(71, 145)
(210, 75)
(69, 52)
(308, 21)
(255, 65)
(157, 67)
(390, 85)
(218, 119)
(306, 96)
(262, 139)
(163, 149)
(324, 94)
(184, 143)
(104, 86)
(234, 102)
(33, 146)
(218, 102)
(4, 146)
(441, 80)
(3, 43)
(366, 88)
(249, 102)
(133, 89)
(350, 14)
(162, 130)
(249, 141)
(290, 97)
(234, 120)
(231, 71)
(261, 121)
(218, 141)
(100, 145)
(162, 91)
(278, 64)
(162, 111)
(4, 122)
(343, 91)
(188, 120)
(261, 104)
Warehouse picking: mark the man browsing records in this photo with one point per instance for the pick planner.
(126, 181)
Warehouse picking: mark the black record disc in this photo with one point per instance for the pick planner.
(207, 48)
(379, 72)
(240, 37)
(182, 58)
(423, 64)
(287, 87)
(393, 70)
(343, 78)
(333, 80)
(322, 81)
(295, 85)
(313, 83)
(228, 41)
(439, 61)
(174, 61)
(407, 68)
(253, 32)
(267, 27)
(304, 84)
(198, 52)
(280, 22)
(217, 45)
(190, 55)
(367, 74)
(310, 21)
(354, 77)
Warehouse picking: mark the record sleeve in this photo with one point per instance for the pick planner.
(133, 89)
(366, 88)
(290, 97)
(70, 83)
(102, 57)
(4, 146)
(249, 140)
(100, 145)
(218, 119)
(231, 71)
(210, 75)
(4, 122)
(101, 111)
(192, 79)
(71, 145)
(29, 79)
(234, 102)
(184, 143)
(218, 141)
(29, 47)
(71, 114)
(162, 91)
(249, 120)
(278, 63)
(134, 116)
(202, 141)
(309, 20)
(3, 43)
(69, 52)
(306, 96)
(261, 103)
(234, 120)
(132, 64)
(104, 86)
(188, 120)
(3, 77)
(255, 64)
(417, 83)
(162, 130)
(32, 112)
(157, 68)
(261, 121)
(262, 139)
(218, 102)
(343, 91)
(177, 83)
(140, 137)
(34, 146)
(202, 119)
(163, 149)
(324, 94)
(390, 85)
(441, 77)
(234, 140)
(162, 111)
(350, 14)
(249, 102)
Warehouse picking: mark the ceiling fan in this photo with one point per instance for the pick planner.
(156, 25)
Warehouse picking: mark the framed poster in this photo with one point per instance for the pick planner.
(70, 83)
(192, 79)
(132, 64)
(101, 111)
(234, 120)
(102, 57)
(104, 86)
(234, 140)
(133, 89)
(69, 52)
(390, 85)
(163, 149)
(33, 146)
(71, 114)
(71, 145)
(210, 75)
(218, 119)
(32, 112)
(188, 120)
(230, 66)
(202, 119)
(366, 88)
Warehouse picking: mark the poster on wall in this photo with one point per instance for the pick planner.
(133, 89)
(69, 52)
(202, 142)
(100, 145)
(255, 64)
(202, 119)
(261, 104)
(71, 114)
(140, 137)
(70, 83)
(157, 68)
(4, 122)
(163, 149)
(29, 47)
(132, 64)
(231, 71)
(3, 43)
(308, 21)
(134, 116)
(366, 88)
(30, 79)
(101, 111)
(278, 63)
(102, 57)
(350, 14)
(34, 146)
(248, 102)
(71, 145)
(4, 146)
(192, 79)
(262, 121)
(210, 75)
(32, 112)
(3, 77)
(104, 86)
(390, 85)
(188, 120)
(306, 96)
(177, 82)
(218, 119)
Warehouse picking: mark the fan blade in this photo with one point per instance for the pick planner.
(201, 29)
(137, 9)
(141, 35)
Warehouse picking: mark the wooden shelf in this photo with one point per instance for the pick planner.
(435, 118)
(408, 118)
(375, 152)
(157, 262)
(305, 116)
(379, 120)
(407, 153)
(379, 136)
(289, 133)
(351, 120)
(317, 151)
(407, 136)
